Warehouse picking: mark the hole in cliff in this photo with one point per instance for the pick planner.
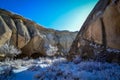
(34, 56)
(37, 55)
(20, 56)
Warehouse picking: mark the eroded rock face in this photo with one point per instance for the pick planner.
(5, 32)
(22, 33)
(11, 24)
(35, 44)
(100, 32)
(31, 38)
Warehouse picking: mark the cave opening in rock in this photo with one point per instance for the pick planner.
(36, 55)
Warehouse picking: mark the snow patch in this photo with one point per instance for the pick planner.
(51, 50)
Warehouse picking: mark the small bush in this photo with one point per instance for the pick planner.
(9, 51)
(51, 50)
(88, 70)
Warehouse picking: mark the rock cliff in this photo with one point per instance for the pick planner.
(99, 37)
(33, 39)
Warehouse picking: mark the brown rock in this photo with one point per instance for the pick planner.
(9, 21)
(5, 32)
(94, 32)
(111, 19)
(22, 33)
(31, 38)
(35, 46)
(100, 32)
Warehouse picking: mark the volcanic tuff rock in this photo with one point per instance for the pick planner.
(100, 34)
(5, 32)
(32, 39)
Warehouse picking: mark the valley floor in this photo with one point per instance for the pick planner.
(58, 69)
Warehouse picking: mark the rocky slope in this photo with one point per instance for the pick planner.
(33, 39)
(99, 37)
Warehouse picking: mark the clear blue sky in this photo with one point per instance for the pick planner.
(56, 14)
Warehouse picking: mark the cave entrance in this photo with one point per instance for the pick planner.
(36, 55)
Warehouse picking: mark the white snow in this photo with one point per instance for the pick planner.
(20, 69)
(51, 50)
(9, 50)
(113, 50)
(60, 69)
(4, 68)
(25, 75)
(82, 71)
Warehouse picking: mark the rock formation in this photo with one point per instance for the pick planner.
(99, 37)
(5, 32)
(31, 38)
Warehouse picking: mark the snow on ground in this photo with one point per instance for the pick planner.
(60, 69)
(5, 72)
(26, 69)
(86, 70)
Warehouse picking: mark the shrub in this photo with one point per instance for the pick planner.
(85, 70)
(51, 50)
(9, 51)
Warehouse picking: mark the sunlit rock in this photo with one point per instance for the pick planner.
(102, 30)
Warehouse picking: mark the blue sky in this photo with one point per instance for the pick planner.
(55, 14)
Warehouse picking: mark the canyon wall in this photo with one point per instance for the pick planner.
(99, 37)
